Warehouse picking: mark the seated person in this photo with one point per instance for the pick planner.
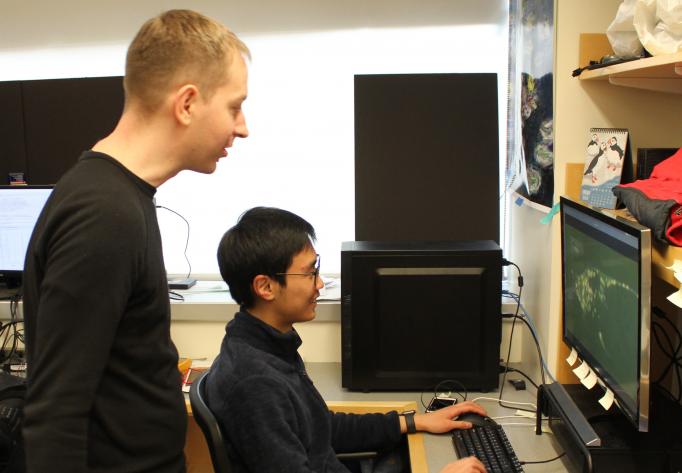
(273, 417)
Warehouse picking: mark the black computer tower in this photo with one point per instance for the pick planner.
(415, 314)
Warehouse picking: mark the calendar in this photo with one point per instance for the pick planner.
(607, 164)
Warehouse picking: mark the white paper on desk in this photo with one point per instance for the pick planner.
(678, 276)
(607, 400)
(582, 370)
(676, 298)
(572, 357)
(590, 380)
(330, 282)
(332, 293)
(676, 267)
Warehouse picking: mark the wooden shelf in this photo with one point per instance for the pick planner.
(659, 73)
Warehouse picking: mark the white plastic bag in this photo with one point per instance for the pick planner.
(621, 32)
(659, 25)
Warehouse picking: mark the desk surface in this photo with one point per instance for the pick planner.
(439, 449)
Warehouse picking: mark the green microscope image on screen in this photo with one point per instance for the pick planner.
(602, 306)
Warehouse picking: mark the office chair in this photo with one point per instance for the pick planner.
(215, 439)
(209, 426)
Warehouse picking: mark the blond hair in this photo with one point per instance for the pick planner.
(178, 47)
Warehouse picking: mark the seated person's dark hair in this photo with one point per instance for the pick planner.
(264, 241)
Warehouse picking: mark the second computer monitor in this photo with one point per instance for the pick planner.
(20, 207)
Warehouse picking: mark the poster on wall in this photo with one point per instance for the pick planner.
(530, 150)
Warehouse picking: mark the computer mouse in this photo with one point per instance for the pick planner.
(476, 419)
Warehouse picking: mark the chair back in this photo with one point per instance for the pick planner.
(209, 426)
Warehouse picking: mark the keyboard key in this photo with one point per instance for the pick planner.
(490, 445)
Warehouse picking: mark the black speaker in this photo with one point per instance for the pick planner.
(426, 157)
(647, 158)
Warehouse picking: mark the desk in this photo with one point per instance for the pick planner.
(437, 449)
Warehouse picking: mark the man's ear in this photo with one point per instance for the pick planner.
(184, 103)
(264, 287)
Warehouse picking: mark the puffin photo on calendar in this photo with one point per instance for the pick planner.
(605, 157)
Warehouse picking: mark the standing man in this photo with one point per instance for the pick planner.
(273, 417)
(103, 386)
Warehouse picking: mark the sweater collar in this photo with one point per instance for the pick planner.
(264, 337)
(146, 187)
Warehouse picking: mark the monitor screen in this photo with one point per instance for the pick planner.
(606, 274)
(20, 207)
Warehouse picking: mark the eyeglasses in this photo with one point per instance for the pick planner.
(314, 273)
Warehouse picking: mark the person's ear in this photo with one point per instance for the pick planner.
(263, 287)
(184, 103)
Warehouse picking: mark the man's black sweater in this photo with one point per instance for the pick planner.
(274, 418)
(103, 386)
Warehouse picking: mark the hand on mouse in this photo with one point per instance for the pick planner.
(443, 420)
(466, 465)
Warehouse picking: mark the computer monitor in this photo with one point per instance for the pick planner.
(416, 313)
(20, 207)
(606, 288)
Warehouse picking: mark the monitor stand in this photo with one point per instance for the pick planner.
(599, 441)
(9, 288)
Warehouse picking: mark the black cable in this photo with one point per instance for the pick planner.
(508, 369)
(435, 391)
(514, 370)
(674, 359)
(665, 391)
(658, 312)
(453, 381)
(543, 461)
(526, 319)
(511, 339)
(189, 265)
(516, 316)
(10, 334)
(537, 344)
(670, 355)
(421, 399)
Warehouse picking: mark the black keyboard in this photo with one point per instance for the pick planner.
(490, 445)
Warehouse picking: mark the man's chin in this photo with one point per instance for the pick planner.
(208, 168)
(310, 316)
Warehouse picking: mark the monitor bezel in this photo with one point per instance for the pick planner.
(640, 418)
(13, 276)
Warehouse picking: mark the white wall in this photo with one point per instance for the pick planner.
(300, 108)
(653, 119)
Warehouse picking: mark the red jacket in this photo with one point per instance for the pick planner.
(657, 202)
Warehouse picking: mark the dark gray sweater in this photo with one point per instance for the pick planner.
(274, 418)
(103, 385)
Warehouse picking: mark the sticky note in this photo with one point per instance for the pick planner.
(607, 400)
(590, 380)
(572, 357)
(582, 370)
(519, 201)
(553, 211)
